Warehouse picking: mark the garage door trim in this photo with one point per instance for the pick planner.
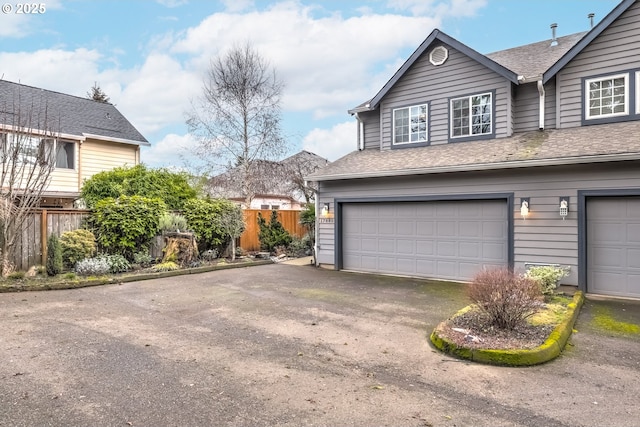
(508, 197)
(583, 195)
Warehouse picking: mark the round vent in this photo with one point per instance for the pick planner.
(438, 55)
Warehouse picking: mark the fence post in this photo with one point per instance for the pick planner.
(43, 236)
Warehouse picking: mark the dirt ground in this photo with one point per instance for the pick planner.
(285, 345)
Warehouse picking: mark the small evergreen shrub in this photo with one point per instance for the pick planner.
(77, 245)
(299, 246)
(17, 275)
(273, 234)
(165, 266)
(54, 256)
(93, 267)
(547, 276)
(506, 298)
(117, 263)
(171, 222)
(142, 258)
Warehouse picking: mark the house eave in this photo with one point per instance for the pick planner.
(482, 167)
(118, 140)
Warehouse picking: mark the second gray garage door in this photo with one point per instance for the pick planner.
(445, 240)
(613, 246)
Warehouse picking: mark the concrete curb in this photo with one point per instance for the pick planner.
(132, 278)
(549, 350)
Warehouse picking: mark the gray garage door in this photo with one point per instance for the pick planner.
(446, 240)
(613, 246)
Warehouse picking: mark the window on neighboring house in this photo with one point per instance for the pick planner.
(264, 207)
(607, 97)
(275, 207)
(410, 124)
(65, 154)
(21, 148)
(472, 115)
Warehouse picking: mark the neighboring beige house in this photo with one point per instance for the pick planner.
(271, 202)
(90, 136)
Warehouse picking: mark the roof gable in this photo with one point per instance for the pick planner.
(75, 116)
(587, 39)
(440, 36)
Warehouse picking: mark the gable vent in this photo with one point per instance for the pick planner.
(438, 55)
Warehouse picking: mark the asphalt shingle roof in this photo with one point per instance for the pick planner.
(532, 60)
(616, 141)
(72, 115)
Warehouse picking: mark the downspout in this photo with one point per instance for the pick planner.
(541, 109)
(315, 231)
(360, 132)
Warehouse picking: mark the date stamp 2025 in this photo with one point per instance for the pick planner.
(24, 8)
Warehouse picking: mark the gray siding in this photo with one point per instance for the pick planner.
(616, 49)
(459, 76)
(371, 120)
(544, 237)
(527, 107)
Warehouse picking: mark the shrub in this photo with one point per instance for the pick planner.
(272, 234)
(54, 256)
(77, 245)
(299, 246)
(171, 222)
(166, 266)
(127, 224)
(70, 276)
(547, 276)
(506, 298)
(209, 255)
(142, 258)
(203, 218)
(117, 263)
(93, 267)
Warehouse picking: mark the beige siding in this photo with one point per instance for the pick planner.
(544, 237)
(459, 76)
(616, 49)
(98, 156)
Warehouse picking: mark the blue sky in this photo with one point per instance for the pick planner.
(150, 56)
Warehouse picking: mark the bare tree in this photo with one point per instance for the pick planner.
(296, 168)
(26, 153)
(97, 94)
(237, 119)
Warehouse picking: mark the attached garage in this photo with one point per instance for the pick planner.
(449, 240)
(613, 246)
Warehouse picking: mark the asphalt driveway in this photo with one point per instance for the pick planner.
(292, 345)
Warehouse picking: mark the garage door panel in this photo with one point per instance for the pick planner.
(613, 246)
(434, 239)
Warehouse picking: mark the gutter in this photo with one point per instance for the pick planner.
(561, 161)
(118, 140)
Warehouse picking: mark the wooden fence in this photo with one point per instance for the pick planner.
(249, 239)
(31, 245)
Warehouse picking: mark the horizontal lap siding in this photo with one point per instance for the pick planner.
(616, 49)
(458, 76)
(371, 120)
(527, 107)
(544, 237)
(64, 180)
(100, 156)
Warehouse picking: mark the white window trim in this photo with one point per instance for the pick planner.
(393, 125)
(587, 97)
(470, 135)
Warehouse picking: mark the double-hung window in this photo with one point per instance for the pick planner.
(472, 115)
(410, 124)
(607, 96)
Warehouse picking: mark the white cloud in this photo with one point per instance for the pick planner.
(18, 25)
(452, 8)
(167, 151)
(332, 143)
(237, 5)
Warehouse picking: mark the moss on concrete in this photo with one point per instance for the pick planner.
(550, 349)
(604, 320)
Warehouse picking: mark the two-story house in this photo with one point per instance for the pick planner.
(525, 156)
(86, 136)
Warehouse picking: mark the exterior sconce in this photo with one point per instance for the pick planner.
(325, 210)
(524, 207)
(564, 207)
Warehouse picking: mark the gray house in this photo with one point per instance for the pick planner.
(525, 156)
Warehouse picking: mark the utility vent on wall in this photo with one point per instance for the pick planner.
(438, 55)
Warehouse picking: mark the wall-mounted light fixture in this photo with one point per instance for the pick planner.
(524, 207)
(325, 210)
(564, 207)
